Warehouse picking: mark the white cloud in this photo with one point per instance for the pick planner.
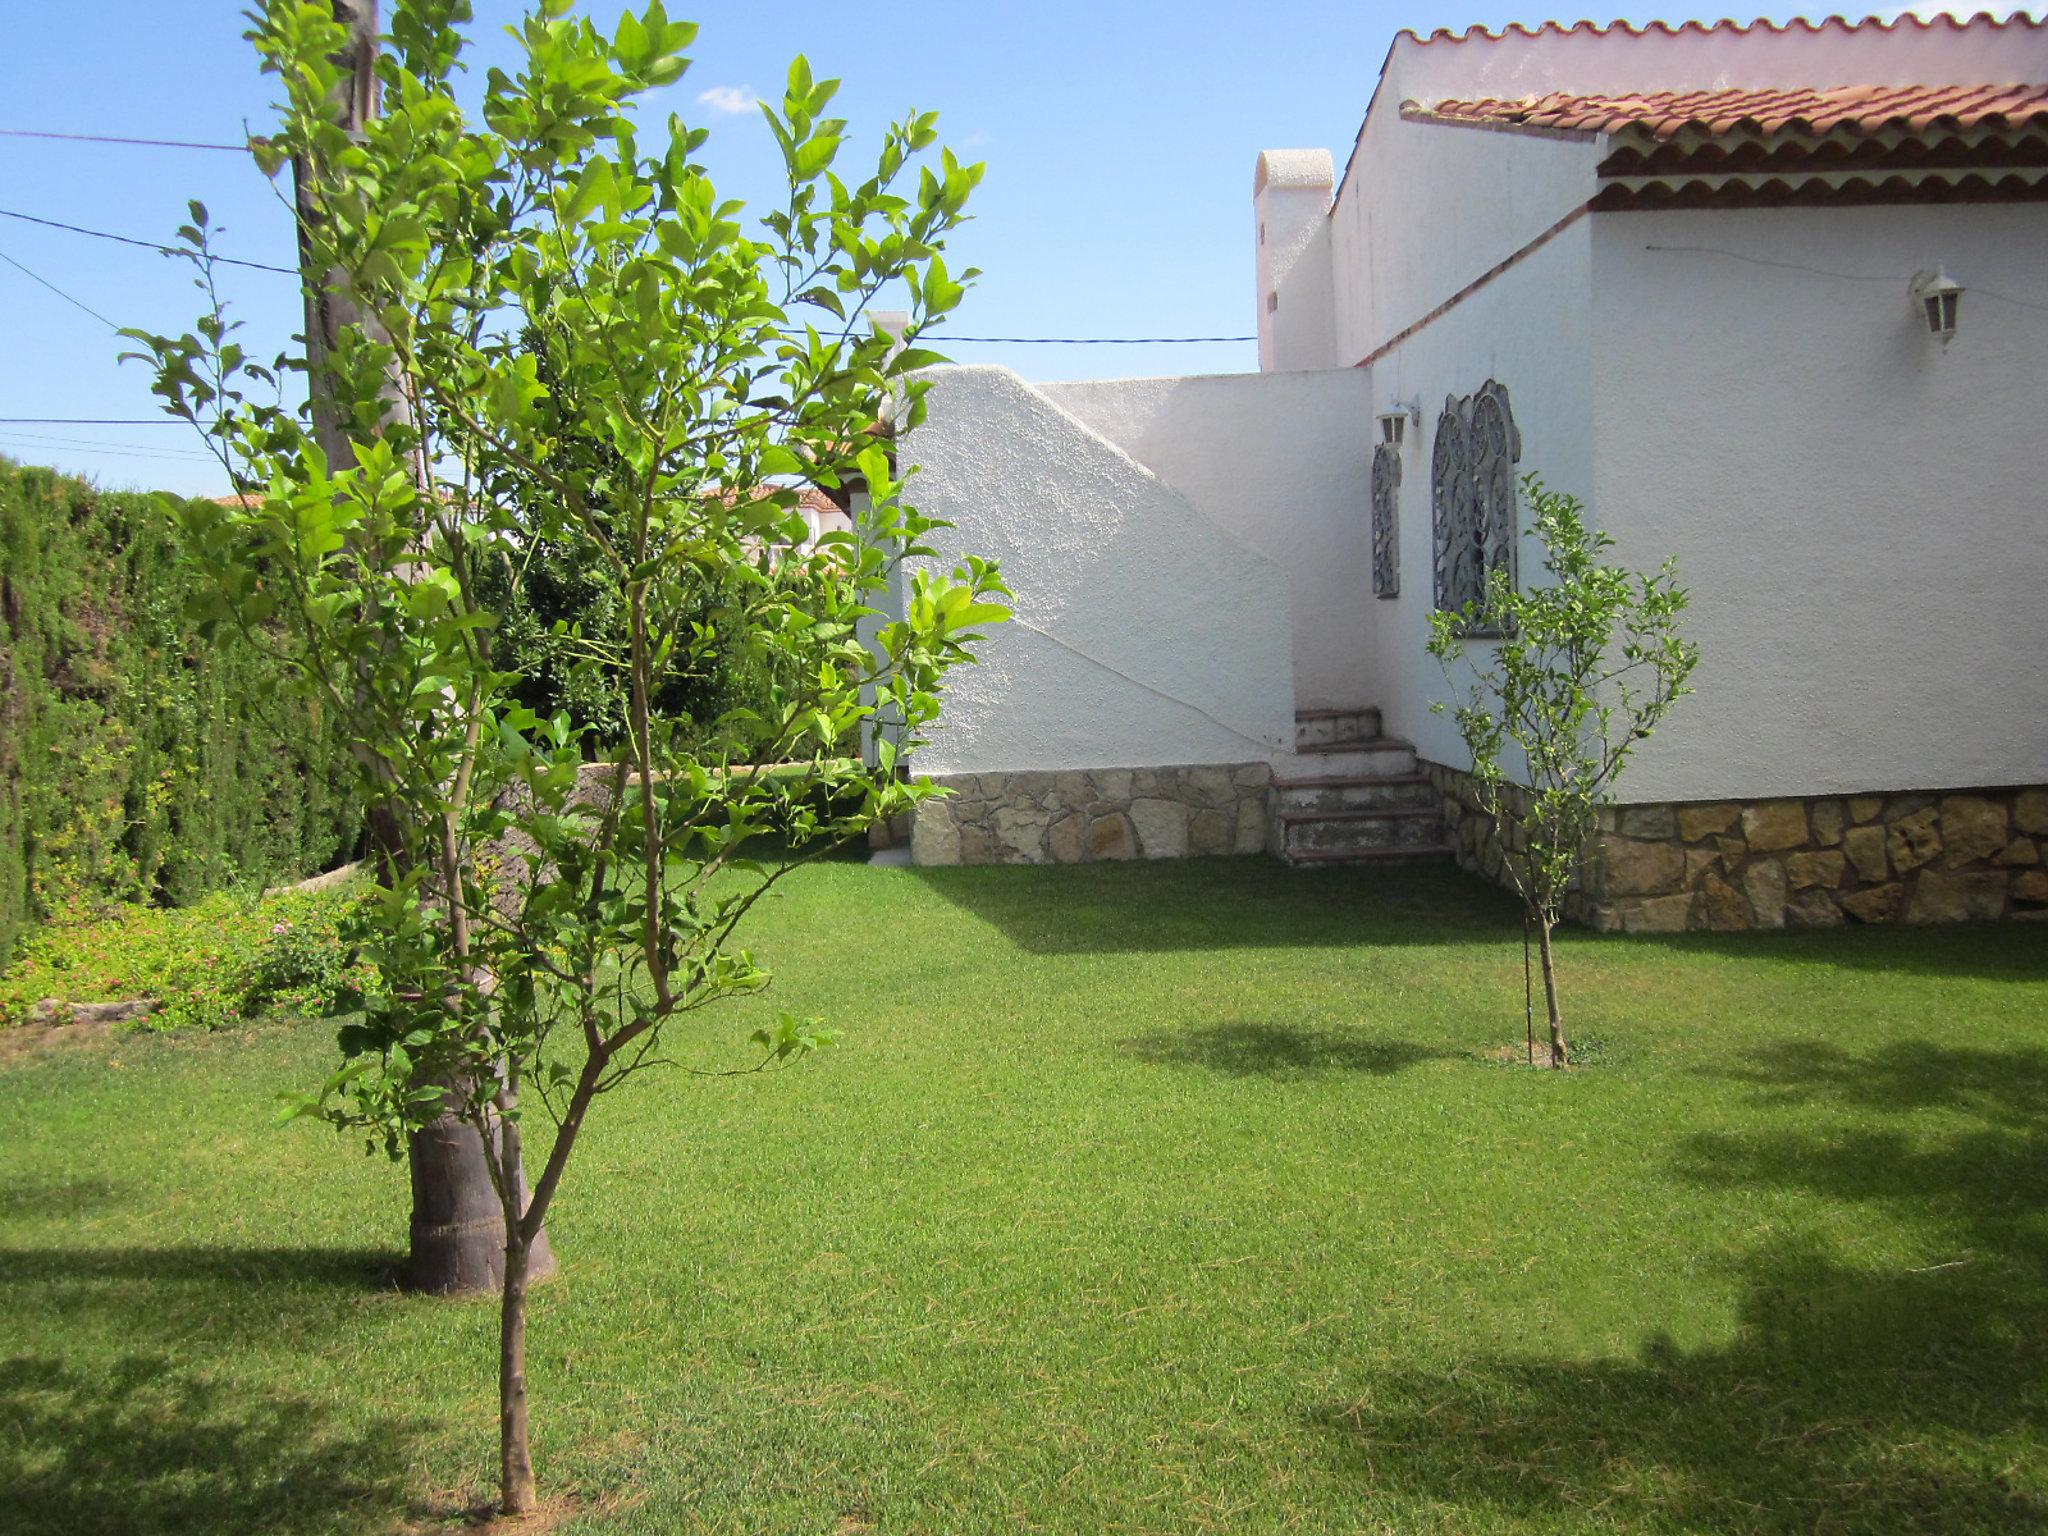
(729, 99)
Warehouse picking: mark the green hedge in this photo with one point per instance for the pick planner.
(138, 763)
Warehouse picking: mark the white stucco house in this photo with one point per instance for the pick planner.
(1703, 277)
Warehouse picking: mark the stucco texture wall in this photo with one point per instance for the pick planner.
(1529, 330)
(1146, 634)
(1860, 512)
(1283, 462)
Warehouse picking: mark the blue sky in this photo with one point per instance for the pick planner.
(1119, 135)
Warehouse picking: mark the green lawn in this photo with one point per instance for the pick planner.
(1168, 1198)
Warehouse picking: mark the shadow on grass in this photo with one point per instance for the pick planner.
(142, 1448)
(356, 1271)
(1224, 903)
(39, 1199)
(1246, 1049)
(1851, 1398)
(1988, 951)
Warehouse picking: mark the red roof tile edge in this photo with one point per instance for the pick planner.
(2016, 18)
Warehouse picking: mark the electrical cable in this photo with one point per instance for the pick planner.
(147, 245)
(67, 298)
(101, 138)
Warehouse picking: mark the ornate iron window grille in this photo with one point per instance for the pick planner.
(1472, 496)
(1386, 521)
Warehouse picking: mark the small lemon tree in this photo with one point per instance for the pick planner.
(567, 337)
(1586, 668)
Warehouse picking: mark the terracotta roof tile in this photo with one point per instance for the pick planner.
(1857, 108)
(1907, 22)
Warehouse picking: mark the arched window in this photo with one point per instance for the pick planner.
(1472, 494)
(1386, 521)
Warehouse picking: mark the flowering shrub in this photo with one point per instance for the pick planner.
(214, 965)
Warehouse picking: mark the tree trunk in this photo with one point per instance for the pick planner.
(1559, 1055)
(459, 1242)
(515, 1460)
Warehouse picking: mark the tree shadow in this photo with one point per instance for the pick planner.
(142, 1448)
(1224, 903)
(1850, 1398)
(353, 1270)
(39, 1199)
(1243, 1048)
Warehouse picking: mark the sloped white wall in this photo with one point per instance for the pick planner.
(1146, 634)
(1283, 461)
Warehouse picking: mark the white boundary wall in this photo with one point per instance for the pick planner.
(1146, 634)
(1282, 461)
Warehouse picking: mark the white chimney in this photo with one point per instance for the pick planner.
(1291, 198)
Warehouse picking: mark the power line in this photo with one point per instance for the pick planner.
(101, 138)
(1093, 341)
(67, 298)
(147, 245)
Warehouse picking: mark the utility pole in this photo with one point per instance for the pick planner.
(458, 1222)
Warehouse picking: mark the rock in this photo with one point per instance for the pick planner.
(1211, 786)
(1823, 869)
(1972, 829)
(1942, 897)
(1113, 784)
(1252, 776)
(1772, 825)
(2020, 850)
(1657, 914)
(1875, 904)
(1067, 839)
(1073, 787)
(1813, 909)
(1901, 806)
(1914, 839)
(1211, 832)
(1764, 884)
(2030, 811)
(1251, 825)
(1022, 831)
(2031, 887)
(1864, 808)
(1162, 827)
(1826, 817)
(1725, 908)
(1652, 821)
(1732, 850)
(54, 1010)
(1642, 869)
(934, 839)
(1701, 821)
(1111, 837)
(1699, 863)
(1605, 918)
(1865, 848)
(976, 846)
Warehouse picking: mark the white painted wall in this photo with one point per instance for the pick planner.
(1282, 461)
(1146, 634)
(1428, 208)
(1530, 330)
(1861, 514)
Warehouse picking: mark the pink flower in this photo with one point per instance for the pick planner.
(280, 927)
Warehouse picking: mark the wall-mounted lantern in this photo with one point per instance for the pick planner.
(1938, 296)
(1394, 423)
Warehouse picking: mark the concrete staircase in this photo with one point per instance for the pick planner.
(1350, 795)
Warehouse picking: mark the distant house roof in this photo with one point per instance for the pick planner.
(1862, 108)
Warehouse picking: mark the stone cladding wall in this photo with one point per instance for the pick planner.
(1077, 816)
(1729, 865)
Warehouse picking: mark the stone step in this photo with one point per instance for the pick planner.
(1322, 857)
(1380, 757)
(1342, 793)
(1336, 831)
(1313, 727)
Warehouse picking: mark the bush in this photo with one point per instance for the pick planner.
(138, 764)
(230, 958)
